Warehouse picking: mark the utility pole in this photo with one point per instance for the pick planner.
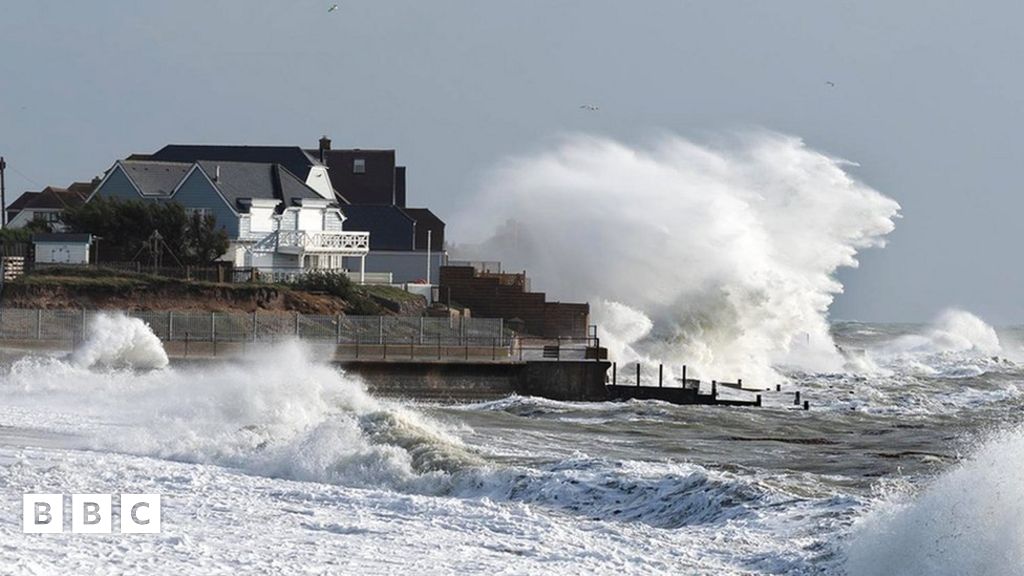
(3, 194)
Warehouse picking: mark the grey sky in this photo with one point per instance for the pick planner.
(928, 99)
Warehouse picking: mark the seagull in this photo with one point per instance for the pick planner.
(590, 107)
(332, 8)
(830, 83)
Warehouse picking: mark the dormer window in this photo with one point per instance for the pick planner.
(359, 166)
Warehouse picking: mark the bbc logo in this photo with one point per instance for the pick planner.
(90, 513)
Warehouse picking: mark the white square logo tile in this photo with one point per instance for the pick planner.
(91, 513)
(140, 513)
(42, 513)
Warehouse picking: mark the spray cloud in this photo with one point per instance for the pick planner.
(720, 257)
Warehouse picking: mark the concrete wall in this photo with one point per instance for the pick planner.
(404, 266)
(565, 381)
(440, 382)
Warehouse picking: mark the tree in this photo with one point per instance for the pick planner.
(204, 241)
(125, 227)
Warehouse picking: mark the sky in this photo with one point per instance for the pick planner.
(927, 100)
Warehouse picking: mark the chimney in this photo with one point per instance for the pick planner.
(325, 146)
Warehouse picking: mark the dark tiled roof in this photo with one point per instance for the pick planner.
(63, 238)
(155, 178)
(427, 221)
(82, 188)
(21, 201)
(239, 180)
(49, 199)
(375, 186)
(389, 227)
(293, 158)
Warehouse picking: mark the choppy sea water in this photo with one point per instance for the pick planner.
(907, 463)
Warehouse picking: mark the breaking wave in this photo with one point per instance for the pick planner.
(967, 522)
(719, 257)
(956, 344)
(120, 341)
(276, 412)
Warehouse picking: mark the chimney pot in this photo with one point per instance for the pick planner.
(325, 145)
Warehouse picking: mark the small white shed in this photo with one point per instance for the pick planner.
(62, 248)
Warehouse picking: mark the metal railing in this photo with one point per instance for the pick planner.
(214, 334)
(19, 323)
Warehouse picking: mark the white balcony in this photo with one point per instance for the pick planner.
(341, 243)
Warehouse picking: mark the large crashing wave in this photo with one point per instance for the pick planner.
(720, 257)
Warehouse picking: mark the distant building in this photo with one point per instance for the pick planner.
(62, 248)
(275, 221)
(46, 206)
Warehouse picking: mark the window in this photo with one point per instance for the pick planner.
(48, 217)
(203, 212)
(359, 166)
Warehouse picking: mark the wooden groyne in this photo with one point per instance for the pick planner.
(679, 390)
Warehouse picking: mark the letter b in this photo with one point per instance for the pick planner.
(90, 513)
(42, 513)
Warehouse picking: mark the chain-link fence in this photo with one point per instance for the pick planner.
(72, 325)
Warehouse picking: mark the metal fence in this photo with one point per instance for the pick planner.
(72, 325)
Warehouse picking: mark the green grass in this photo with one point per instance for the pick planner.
(390, 293)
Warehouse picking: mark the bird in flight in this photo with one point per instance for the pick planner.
(830, 83)
(590, 107)
(332, 8)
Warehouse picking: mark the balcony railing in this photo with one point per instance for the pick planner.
(347, 243)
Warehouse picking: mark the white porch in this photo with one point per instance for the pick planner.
(295, 252)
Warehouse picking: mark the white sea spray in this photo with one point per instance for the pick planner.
(728, 251)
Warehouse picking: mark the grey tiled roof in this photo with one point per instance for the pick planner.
(240, 180)
(155, 178)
